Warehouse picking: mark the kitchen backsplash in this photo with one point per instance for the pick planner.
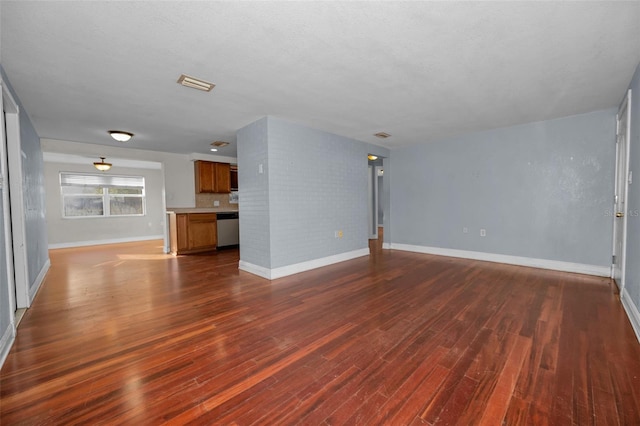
(206, 200)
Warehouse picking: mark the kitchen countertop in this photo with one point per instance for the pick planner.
(202, 210)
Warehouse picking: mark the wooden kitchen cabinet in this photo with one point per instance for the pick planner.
(180, 233)
(192, 232)
(212, 177)
(222, 182)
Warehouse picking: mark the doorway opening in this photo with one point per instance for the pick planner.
(376, 205)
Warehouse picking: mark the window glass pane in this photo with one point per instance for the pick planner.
(85, 195)
(78, 189)
(83, 206)
(125, 190)
(125, 205)
(100, 180)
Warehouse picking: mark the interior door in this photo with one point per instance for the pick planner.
(621, 192)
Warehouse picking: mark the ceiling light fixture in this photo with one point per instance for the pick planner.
(120, 136)
(102, 165)
(219, 144)
(372, 157)
(196, 83)
(382, 135)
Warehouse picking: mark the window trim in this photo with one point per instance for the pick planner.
(106, 198)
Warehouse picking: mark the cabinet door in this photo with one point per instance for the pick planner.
(203, 232)
(205, 176)
(223, 178)
(182, 236)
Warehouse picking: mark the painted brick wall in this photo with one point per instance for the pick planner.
(254, 194)
(314, 184)
(317, 185)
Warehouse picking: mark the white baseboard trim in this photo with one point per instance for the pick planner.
(283, 271)
(260, 271)
(386, 246)
(109, 241)
(6, 341)
(579, 268)
(33, 290)
(632, 312)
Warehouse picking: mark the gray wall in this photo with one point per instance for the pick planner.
(632, 280)
(541, 190)
(69, 231)
(33, 192)
(33, 189)
(314, 183)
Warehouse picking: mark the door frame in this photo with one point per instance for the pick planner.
(626, 103)
(11, 115)
(373, 203)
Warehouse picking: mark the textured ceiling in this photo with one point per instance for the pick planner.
(417, 70)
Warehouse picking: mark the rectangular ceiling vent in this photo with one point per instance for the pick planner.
(382, 135)
(195, 83)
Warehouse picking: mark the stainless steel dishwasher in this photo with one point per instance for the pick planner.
(228, 229)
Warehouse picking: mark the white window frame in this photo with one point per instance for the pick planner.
(106, 197)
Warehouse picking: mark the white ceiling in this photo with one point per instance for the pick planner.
(417, 70)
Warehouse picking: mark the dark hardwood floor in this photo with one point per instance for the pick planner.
(123, 334)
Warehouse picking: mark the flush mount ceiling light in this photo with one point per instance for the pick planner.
(382, 135)
(219, 144)
(102, 165)
(120, 136)
(372, 157)
(196, 83)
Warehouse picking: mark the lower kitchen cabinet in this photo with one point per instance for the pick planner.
(192, 232)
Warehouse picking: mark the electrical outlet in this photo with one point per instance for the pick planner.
(465, 230)
(483, 232)
(216, 203)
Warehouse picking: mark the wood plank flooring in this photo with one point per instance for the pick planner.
(123, 334)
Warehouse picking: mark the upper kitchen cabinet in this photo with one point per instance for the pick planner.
(212, 177)
(223, 178)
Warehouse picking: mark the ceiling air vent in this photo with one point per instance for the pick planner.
(382, 135)
(219, 144)
(195, 83)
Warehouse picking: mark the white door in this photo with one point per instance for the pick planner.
(621, 192)
(13, 201)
